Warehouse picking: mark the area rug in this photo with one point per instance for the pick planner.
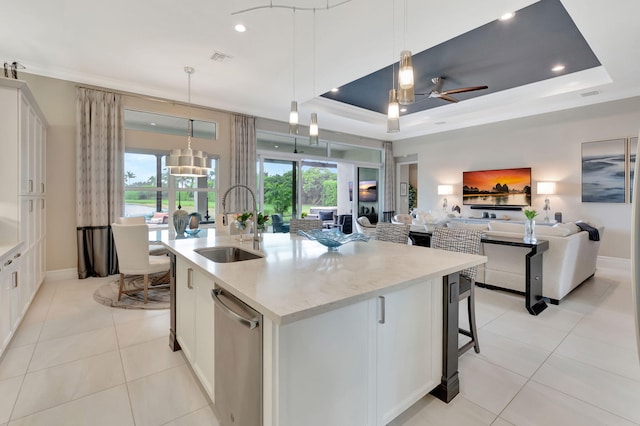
(157, 295)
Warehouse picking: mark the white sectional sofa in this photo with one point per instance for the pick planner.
(570, 260)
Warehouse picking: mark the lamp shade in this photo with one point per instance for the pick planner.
(393, 113)
(293, 118)
(313, 129)
(445, 189)
(405, 76)
(546, 188)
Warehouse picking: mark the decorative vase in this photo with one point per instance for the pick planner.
(530, 231)
(194, 221)
(180, 221)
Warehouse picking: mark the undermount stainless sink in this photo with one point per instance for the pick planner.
(226, 254)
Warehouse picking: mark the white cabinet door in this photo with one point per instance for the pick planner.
(408, 347)
(204, 352)
(185, 312)
(6, 286)
(319, 369)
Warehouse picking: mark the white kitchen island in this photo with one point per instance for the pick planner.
(353, 337)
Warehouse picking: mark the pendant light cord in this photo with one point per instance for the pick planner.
(294, 53)
(393, 46)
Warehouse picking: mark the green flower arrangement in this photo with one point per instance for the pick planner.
(530, 213)
(262, 220)
(242, 219)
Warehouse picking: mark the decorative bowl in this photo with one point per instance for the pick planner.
(333, 238)
(190, 231)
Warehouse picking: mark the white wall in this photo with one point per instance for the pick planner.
(550, 144)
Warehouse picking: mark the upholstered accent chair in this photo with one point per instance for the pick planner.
(392, 232)
(365, 227)
(304, 225)
(132, 248)
(278, 224)
(463, 241)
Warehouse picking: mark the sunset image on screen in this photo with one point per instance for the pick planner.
(505, 187)
(515, 179)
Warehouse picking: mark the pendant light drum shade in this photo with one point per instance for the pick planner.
(187, 162)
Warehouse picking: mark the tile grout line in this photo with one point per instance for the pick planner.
(530, 378)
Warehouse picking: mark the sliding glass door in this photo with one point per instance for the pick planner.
(280, 187)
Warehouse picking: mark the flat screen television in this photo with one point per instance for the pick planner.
(508, 188)
(368, 191)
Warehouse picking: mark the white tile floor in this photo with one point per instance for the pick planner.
(75, 362)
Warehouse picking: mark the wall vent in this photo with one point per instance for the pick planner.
(220, 57)
(592, 93)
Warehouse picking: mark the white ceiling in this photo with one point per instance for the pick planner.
(142, 46)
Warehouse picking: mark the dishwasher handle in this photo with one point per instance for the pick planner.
(249, 323)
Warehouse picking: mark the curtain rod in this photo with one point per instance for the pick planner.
(157, 99)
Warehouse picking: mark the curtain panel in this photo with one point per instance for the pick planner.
(389, 180)
(99, 179)
(243, 162)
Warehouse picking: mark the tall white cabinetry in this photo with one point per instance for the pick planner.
(23, 204)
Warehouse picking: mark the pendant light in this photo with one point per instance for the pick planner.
(393, 111)
(313, 126)
(185, 161)
(293, 112)
(406, 93)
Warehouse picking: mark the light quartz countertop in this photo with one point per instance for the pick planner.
(298, 278)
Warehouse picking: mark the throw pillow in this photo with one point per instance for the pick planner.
(364, 221)
(325, 215)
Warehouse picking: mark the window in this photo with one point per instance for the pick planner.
(149, 189)
(167, 125)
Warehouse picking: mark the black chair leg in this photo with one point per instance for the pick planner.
(471, 309)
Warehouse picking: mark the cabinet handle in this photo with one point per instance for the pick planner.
(8, 262)
(30, 185)
(14, 279)
(42, 187)
(189, 278)
(42, 199)
(382, 310)
(17, 255)
(30, 206)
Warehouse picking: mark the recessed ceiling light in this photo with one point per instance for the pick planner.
(335, 89)
(240, 28)
(276, 146)
(403, 110)
(507, 16)
(558, 68)
(153, 124)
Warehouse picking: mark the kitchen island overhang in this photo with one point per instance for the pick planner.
(299, 285)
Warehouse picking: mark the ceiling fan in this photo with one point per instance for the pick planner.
(437, 91)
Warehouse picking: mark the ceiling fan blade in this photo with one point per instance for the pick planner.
(447, 97)
(464, 89)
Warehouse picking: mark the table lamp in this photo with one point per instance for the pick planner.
(546, 188)
(445, 190)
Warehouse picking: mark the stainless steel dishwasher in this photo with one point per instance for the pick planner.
(238, 360)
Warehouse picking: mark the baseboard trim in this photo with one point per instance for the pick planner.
(62, 274)
(613, 262)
